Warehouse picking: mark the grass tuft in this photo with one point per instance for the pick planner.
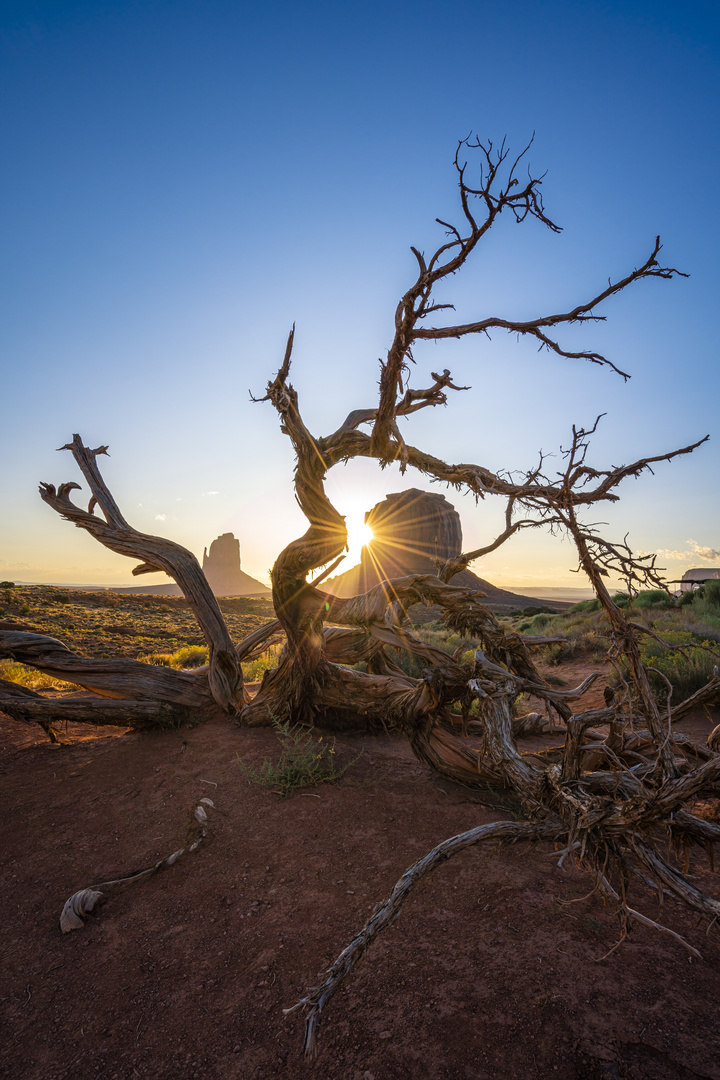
(302, 762)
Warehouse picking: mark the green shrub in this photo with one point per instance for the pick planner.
(686, 598)
(586, 605)
(705, 610)
(711, 594)
(653, 598)
(686, 671)
(302, 762)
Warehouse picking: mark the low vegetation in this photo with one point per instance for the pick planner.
(104, 624)
(304, 762)
(688, 628)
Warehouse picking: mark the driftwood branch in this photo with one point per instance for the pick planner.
(77, 908)
(117, 678)
(386, 913)
(157, 554)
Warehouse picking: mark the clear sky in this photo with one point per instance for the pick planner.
(182, 180)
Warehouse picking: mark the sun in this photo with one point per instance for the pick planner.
(359, 535)
(365, 534)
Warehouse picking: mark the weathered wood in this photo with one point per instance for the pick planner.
(116, 678)
(157, 554)
(386, 913)
(108, 712)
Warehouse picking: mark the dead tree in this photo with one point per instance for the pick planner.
(606, 800)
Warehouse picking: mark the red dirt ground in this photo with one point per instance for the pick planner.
(488, 973)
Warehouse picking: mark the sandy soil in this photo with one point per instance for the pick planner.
(488, 973)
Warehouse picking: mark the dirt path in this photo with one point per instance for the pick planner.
(488, 973)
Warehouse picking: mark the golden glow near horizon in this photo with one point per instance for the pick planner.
(359, 536)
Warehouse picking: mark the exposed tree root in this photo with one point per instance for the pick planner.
(77, 908)
(386, 913)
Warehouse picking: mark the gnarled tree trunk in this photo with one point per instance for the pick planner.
(607, 799)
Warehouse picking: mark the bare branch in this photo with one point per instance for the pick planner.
(158, 554)
(386, 913)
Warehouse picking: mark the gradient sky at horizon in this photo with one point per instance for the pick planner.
(185, 180)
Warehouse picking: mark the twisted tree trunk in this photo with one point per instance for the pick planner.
(607, 799)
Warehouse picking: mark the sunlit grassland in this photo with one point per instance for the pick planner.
(106, 624)
(689, 628)
(162, 630)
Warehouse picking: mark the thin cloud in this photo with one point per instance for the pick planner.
(161, 517)
(705, 552)
(694, 551)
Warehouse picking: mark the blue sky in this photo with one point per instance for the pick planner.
(184, 180)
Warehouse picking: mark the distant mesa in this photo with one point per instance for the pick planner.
(411, 531)
(221, 565)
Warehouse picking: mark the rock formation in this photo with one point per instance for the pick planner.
(411, 531)
(221, 566)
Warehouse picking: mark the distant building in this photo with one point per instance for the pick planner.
(693, 579)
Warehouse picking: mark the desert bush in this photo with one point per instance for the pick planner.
(254, 670)
(652, 598)
(555, 654)
(586, 605)
(158, 659)
(191, 656)
(536, 624)
(302, 762)
(707, 604)
(711, 594)
(702, 615)
(408, 663)
(687, 671)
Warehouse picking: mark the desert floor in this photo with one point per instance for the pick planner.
(494, 969)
